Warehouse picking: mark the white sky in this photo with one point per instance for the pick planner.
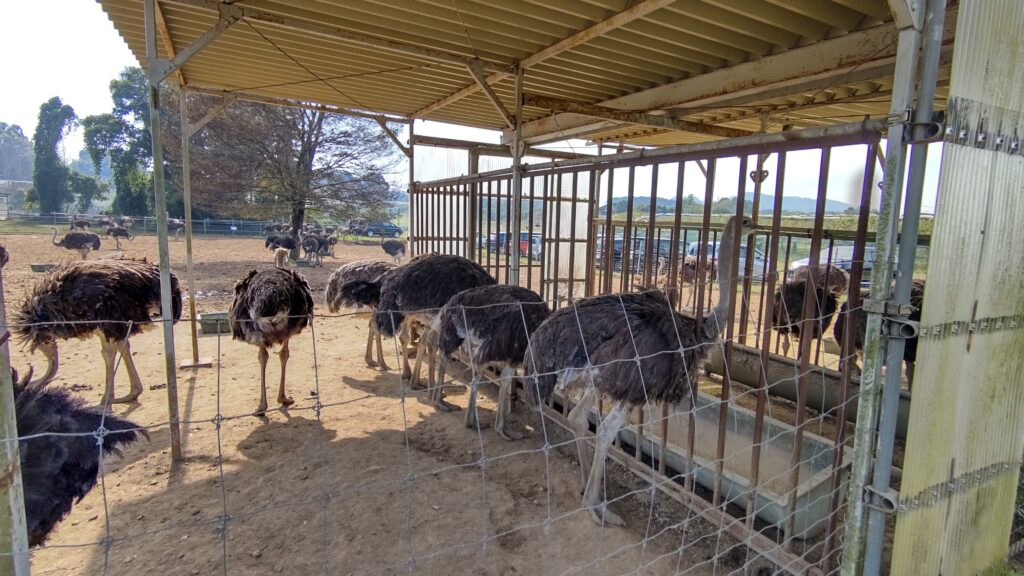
(82, 52)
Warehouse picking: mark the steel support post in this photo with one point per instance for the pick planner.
(160, 204)
(875, 342)
(472, 224)
(413, 213)
(929, 67)
(13, 526)
(517, 184)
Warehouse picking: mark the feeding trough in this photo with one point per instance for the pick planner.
(42, 267)
(214, 323)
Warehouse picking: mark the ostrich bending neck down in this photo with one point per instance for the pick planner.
(633, 348)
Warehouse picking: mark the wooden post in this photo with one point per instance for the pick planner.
(13, 528)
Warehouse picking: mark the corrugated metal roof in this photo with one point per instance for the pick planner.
(317, 51)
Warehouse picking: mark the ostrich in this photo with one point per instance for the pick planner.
(313, 245)
(631, 347)
(330, 230)
(4, 256)
(410, 297)
(363, 270)
(175, 226)
(126, 221)
(788, 307)
(104, 222)
(281, 257)
(491, 326)
(270, 307)
(831, 278)
(59, 459)
(393, 248)
(119, 232)
(332, 241)
(690, 272)
(81, 242)
(78, 223)
(114, 298)
(857, 320)
(275, 241)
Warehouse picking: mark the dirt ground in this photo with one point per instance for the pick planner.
(379, 483)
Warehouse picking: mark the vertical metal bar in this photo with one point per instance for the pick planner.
(593, 190)
(13, 525)
(490, 219)
(664, 438)
(186, 193)
(748, 268)
(572, 238)
(766, 342)
(609, 236)
(652, 254)
(627, 245)
(517, 180)
(675, 255)
(473, 210)
(932, 39)
(414, 209)
(705, 246)
(555, 263)
(160, 205)
(529, 227)
(869, 400)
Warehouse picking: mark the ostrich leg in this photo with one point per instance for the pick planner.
(505, 405)
(380, 350)
(592, 496)
(581, 426)
(472, 418)
(282, 399)
(368, 356)
(403, 341)
(108, 350)
(264, 356)
(414, 378)
(125, 348)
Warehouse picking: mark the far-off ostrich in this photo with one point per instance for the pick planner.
(78, 223)
(633, 348)
(313, 247)
(175, 226)
(393, 248)
(490, 326)
(270, 307)
(826, 285)
(367, 271)
(59, 458)
(690, 272)
(114, 299)
(81, 242)
(275, 241)
(119, 232)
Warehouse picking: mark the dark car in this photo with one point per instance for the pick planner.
(385, 229)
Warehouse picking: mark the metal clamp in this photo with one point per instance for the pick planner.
(886, 308)
(899, 327)
(887, 500)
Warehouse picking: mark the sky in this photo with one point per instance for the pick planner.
(89, 53)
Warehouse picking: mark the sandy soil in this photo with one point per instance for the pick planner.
(377, 483)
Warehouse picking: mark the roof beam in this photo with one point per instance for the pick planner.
(394, 138)
(228, 15)
(619, 19)
(257, 15)
(631, 116)
(489, 92)
(165, 37)
(828, 60)
(249, 97)
(492, 149)
(192, 128)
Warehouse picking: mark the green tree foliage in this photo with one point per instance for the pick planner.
(86, 189)
(15, 153)
(49, 174)
(123, 137)
(84, 165)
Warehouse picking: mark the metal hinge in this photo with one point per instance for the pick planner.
(934, 130)
(888, 499)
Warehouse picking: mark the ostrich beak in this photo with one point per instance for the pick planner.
(52, 363)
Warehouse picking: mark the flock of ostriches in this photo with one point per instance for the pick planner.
(631, 348)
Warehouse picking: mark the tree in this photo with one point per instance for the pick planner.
(15, 153)
(123, 136)
(49, 174)
(84, 165)
(86, 189)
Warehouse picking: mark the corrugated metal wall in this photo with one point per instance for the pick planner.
(967, 418)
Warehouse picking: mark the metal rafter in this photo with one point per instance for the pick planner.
(489, 92)
(493, 149)
(161, 69)
(394, 138)
(248, 97)
(618, 20)
(165, 37)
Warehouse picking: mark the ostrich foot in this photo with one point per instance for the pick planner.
(130, 398)
(285, 401)
(261, 410)
(510, 434)
(446, 406)
(603, 516)
(476, 424)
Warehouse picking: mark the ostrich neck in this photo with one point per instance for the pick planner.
(54, 239)
(726, 256)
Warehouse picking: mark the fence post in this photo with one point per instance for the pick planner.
(516, 204)
(13, 526)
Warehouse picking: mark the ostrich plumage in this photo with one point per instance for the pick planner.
(81, 242)
(490, 326)
(176, 227)
(275, 241)
(788, 310)
(78, 223)
(690, 273)
(831, 278)
(393, 248)
(59, 459)
(634, 348)
(856, 319)
(313, 246)
(362, 270)
(119, 232)
(4, 256)
(115, 299)
(270, 307)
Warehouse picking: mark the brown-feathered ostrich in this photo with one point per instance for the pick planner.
(633, 348)
(788, 306)
(114, 299)
(393, 248)
(59, 457)
(489, 326)
(80, 242)
(833, 279)
(690, 273)
(270, 307)
(409, 298)
(281, 257)
(362, 270)
(119, 232)
(857, 320)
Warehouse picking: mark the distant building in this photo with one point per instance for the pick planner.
(12, 196)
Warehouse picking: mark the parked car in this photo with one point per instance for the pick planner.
(525, 248)
(842, 258)
(385, 229)
(760, 261)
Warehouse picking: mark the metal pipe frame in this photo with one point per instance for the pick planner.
(517, 186)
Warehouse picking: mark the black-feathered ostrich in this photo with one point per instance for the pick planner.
(857, 319)
(119, 232)
(59, 457)
(81, 242)
(393, 248)
(78, 223)
(410, 297)
(362, 270)
(490, 326)
(114, 299)
(827, 283)
(275, 241)
(633, 348)
(270, 307)
(175, 226)
(314, 246)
